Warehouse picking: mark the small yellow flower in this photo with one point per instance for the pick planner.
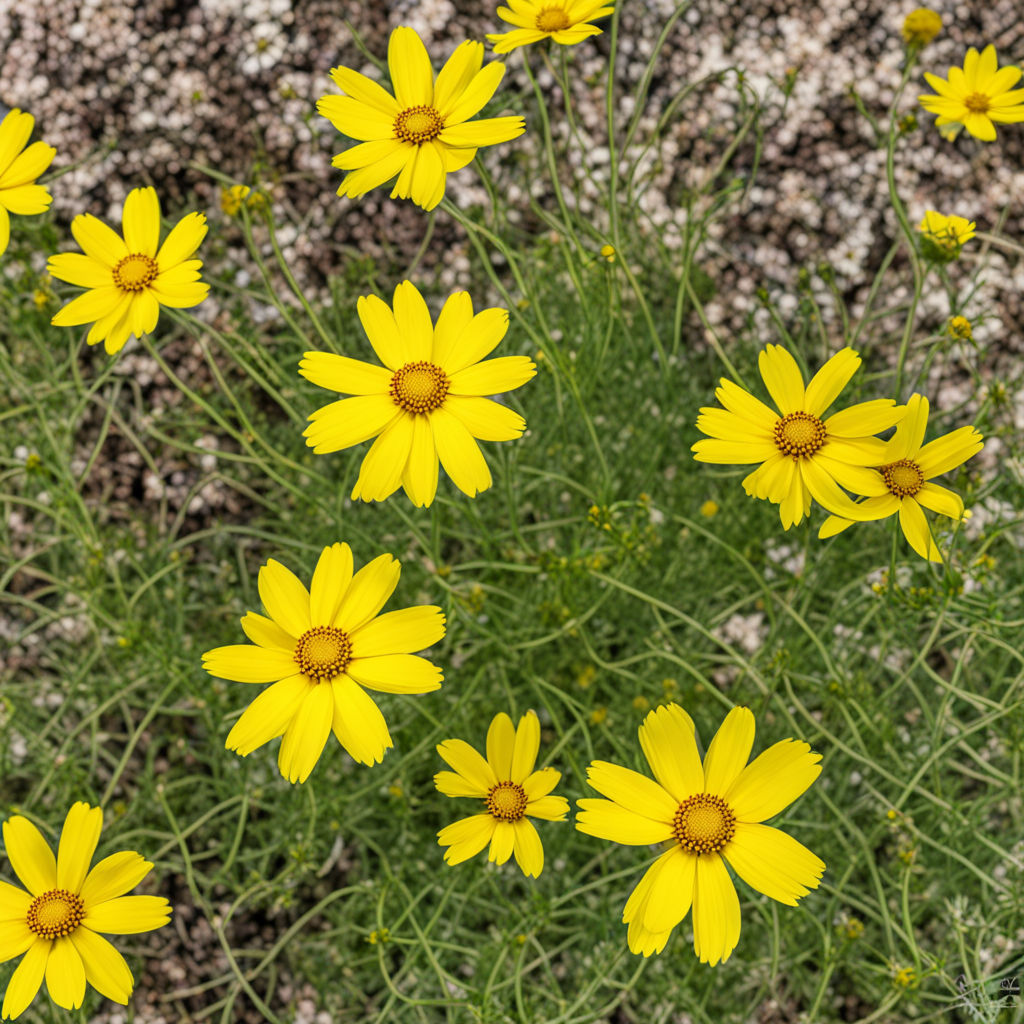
(598, 715)
(231, 199)
(709, 509)
(921, 26)
(56, 924)
(944, 236)
(511, 790)
(129, 279)
(564, 21)
(424, 132)
(426, 402)
(960, 327)
(976, 95)
(608, 252)
(19, 168)
(641, 703)
(854, 928)
(905, 977)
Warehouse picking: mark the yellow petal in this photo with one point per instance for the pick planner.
(15, 936)
(782, 377)
(343, 375)
(632, 790)
(411, 73)
(484, 419)
(14, 902)
(419, 477)
(400, 632)
(728, 753)
(105, 968)
(246, 663)
(941, 500)
(114, 876)
(78, 839)
(284, 597)
(864, 419)
(266, 632)
(381, 472)
(668, 743)
(458, 71)
(716, 911)
(412, 318)
(25, 200)
(358, 723)
(396, 673)
(358, 182)
(128, 915)
(671, 891)
(455, 314)
(502, 842)
(528, 849)
(537, 784)
(97, 240)
(466, 838)
(65, 975)
(493, 376)
(77, 268)
(468, 763)
(746, 406)
(27, 166)
(182, 241)
(487, 132)
(459, 453)
(830, 380)
(428, 176)
(365, 90)
(92, 305)
(525, 747)
(29, 855)
(476, 95)
(453, 784)
(350, 421)
(305, 737)
(355, 119)
(773, 780)
(917, 531)
(773, 863)
(331, 579)
(501, 738)
(27, 978)
(368, 593)
(15, 131)
(269, 715)
(949, 451)
(550, 808)
(477, 339)
(604, 819)
(140, 221)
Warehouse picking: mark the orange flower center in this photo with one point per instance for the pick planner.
(507, 801)
(418, 125)
(799, 434)
(977, 102)
(903, 478)
(55, 913)
(135, 272)
(419, 387)
(552, 19)
(703, 823)
(323, 652)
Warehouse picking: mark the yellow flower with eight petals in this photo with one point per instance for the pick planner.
(711, 814)
(129, 279)
(56, 923)
(976, 95)
(426, 403)
(320, 648)
(903, 481)
(423, 132)
(511, 790)
(564, 21)
(19, 168)
(801, 455)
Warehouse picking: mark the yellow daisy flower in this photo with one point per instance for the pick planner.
(321, 648)
(903, 482)
(976, 95)
(921, 26)
(511, 790)
(801, 455)
(565, 21)
(19, 168)
(129, 279)
(944, 236)
(424, 131)
(711, 814)
(426, 403)
(55, 923)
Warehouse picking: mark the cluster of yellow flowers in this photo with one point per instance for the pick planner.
(321, 650)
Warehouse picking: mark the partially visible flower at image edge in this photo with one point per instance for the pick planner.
(943, 236)
(19, 168)
(322, 649)
(921, 26)
(57, 921)
(903, 482)
(129, 278)
(426, 403)
(712, 814)
(423, 132)
(511, 790)
(564, 21)
(977, 96)
(801, 455)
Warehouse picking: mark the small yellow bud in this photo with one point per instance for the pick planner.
(960, 327)
(231, 198)
(608, 252)
(921, 26)
(709, 509)
(598, 715)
